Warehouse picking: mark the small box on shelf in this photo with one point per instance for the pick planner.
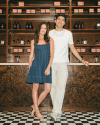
(28, 50)
(98, 2)
(19, 11)
(98, 10)
(57, 3)
(80, 11)
(43, 11)
(75, 11)
(0, 11)
(83, 50)
(14, 11)
(47, 11)
(28, 11)
(62, 10)
(78, 49)
(91, 10)
(98, 49)
(33, 11)
(20, 3)
(93, 50)
(57, 10)
(80, 3)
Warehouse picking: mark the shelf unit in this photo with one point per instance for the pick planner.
(9, 34)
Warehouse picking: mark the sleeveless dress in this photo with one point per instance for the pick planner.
(39, 64)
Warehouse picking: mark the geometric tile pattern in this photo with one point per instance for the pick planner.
(67, 118)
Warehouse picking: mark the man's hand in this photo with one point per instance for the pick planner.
(86, 63)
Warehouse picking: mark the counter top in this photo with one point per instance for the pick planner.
(28, 64)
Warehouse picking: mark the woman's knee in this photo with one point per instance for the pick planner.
(35, 87)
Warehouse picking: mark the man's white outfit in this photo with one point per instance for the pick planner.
(59, 67)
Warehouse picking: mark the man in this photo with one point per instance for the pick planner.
(62, 39)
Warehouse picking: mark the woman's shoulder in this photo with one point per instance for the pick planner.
(51, 41)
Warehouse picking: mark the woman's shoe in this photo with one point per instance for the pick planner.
(33, 110)
(38, 114)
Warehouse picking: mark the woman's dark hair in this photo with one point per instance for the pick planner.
(46, 36)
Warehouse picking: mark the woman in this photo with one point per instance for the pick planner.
(40, 70)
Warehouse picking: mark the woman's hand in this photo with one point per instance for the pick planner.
(47, 71)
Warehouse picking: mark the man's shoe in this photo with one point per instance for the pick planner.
(53, 116)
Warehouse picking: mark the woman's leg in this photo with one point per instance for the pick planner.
(35, 99)
(47, 89)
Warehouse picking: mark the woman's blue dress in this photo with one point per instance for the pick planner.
(39, 64)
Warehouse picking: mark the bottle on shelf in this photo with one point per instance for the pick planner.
(82, 41)
(13, 41)
(97, 42)
(30, 25)
(82, 25)
(2, 25)
(22, 41)
(76, 25)
(27, 25)
(79, 25)
(15, 25)
(48, 24)
(96, 59)
(85, 41)
(2, 41)
(17, 58)
(78, 42)
(28, 42)
(17, 41)
(18, 25)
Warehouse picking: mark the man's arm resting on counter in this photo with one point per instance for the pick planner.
(74, 51)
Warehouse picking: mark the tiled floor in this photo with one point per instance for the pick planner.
(67, 118)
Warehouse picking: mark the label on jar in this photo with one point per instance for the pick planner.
(98, 50)
(99, 3)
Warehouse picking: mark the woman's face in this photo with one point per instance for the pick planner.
(43, 29)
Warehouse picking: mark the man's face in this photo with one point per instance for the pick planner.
(60, 22)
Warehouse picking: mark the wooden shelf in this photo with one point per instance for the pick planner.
(19, 45)
(87, 45)
(38, 6)
(85, 30)
(85, 6)
(33, 14)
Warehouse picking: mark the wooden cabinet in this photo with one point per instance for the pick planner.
(37, 11)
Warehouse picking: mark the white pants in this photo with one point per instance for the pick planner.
(59, 79)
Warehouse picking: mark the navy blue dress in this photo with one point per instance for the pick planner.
(39, 64)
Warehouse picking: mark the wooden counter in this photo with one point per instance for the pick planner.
(82, 89)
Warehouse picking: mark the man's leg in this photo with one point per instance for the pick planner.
(62, 75)
(53, 86)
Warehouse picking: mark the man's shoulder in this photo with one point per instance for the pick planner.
(51, 31)
(68, 32)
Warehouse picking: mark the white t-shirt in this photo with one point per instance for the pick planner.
(61, 41)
